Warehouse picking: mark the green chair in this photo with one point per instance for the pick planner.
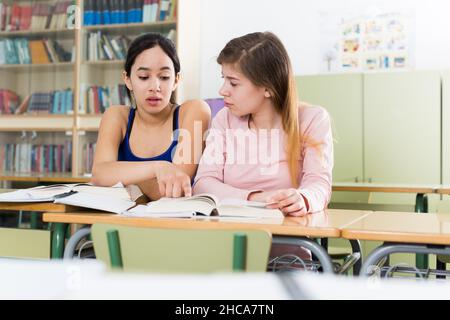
(181, 250)
(443, 206)
(24, 243)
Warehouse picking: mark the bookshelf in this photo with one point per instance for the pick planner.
(74, 88)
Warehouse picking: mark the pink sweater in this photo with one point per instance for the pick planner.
(237, 160)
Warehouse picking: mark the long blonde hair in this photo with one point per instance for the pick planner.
(263, 59)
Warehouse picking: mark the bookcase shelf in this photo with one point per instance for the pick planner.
(86, 80)
(43, 66)
(33, 177)
(60, 33)
(28, 122)
(89, 122)
(133, 27)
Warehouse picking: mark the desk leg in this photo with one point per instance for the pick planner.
(58, 238)
(421, 207)
(309, 244)
(356, 247)
(34, 216)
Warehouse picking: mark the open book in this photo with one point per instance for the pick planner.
(203, 205)
(113, 199)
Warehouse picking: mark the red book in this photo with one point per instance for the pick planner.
(25, 17)
(15, 17)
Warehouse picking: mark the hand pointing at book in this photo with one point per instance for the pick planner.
(173, 182)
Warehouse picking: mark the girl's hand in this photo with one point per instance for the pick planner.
(173, 182)
(289, 201)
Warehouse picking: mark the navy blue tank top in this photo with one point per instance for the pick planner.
(125, 153)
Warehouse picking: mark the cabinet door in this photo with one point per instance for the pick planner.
(446, 127)
(402, 127)
(341, 95)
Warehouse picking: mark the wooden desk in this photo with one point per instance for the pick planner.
(37, 206)
(444, 189)
(292, 229)
(404, 232)
(420, 190)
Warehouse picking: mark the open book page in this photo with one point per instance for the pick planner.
(36, 194)
(202, 204)
(226, 210)
(184, 207)
(140, 211)
(51, 192)
(97, 201)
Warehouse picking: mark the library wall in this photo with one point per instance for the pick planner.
(296, 23)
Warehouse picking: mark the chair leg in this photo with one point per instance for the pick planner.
(441, 266)
(115, 254)
(239, 252)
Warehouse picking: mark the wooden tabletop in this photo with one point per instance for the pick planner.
(378, 187)
(37, 206)
(444, 189)
(430, 228)
(321, 224)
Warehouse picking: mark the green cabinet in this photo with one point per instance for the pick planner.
(446, 127)
(402, 127)
(342, 96)
(387, 126)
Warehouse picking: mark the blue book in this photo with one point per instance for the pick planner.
(96, 10)
(88, 15)
(106, 13)
(68, 107)
(139, 10)
(131, 14)
(122, 12)
(55, 103)
(164, 9)
(115, 11)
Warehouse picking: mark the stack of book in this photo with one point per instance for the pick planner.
(27, 157)
(54, 102)
(101, 46)
(38, 16)
(131, 11)
(96, 99)
(24, 51)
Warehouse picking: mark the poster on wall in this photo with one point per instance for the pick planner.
(367, 40)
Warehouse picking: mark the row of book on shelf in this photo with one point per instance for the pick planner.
(24, 51)
(88, 156)
(53, 102)
(131, 11)
(94, 100)
(102, 46)
(38, 16)
(36, 158)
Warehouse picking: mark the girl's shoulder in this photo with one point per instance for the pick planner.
(308, 112)
(194, 108)
(117, 115)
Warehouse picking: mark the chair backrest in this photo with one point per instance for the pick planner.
(181, 250)
(25, 243)
(216, 104)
